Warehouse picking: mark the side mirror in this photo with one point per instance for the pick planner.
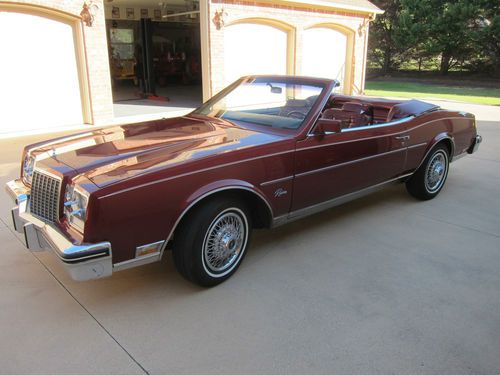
(326, 126)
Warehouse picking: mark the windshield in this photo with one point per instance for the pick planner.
(267, 102)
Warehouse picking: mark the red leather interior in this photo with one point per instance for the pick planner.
(352, 114)
(379, 108)
(355, 109)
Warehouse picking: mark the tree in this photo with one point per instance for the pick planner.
(412, 32)
(488, 36)
(460, 33)
(383, 48)
(445, 28)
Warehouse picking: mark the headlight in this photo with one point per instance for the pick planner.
(28, 167)
(75, 206)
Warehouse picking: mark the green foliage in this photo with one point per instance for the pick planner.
(462, 33)
(477, 95)
(383, 47)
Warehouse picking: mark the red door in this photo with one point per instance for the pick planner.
(334, 165)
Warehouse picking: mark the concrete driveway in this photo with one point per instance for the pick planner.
(382, 285)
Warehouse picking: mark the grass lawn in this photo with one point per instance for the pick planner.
(489, 96)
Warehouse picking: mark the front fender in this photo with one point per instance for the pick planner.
(213, 188)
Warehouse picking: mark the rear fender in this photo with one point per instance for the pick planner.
(446, 137)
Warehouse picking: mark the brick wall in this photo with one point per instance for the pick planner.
(96, 52)
(299, 18)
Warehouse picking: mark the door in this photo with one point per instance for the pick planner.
(324, 54)
(40, 83)
(334, 165)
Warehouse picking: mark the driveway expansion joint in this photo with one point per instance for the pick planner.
(458, 225)
(90, 314)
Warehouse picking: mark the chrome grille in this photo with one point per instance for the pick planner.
(44, 198)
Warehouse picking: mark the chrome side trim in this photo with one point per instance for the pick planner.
(348, 162)
(375, 126)
(458, 157)
(307, 211)
(379, 136)
(276, 181)
(417, 145)
(196, 172)
(186, 210)
(135, 262)
(350, 141)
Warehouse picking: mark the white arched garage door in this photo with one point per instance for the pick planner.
(324, 54)
(251, 48)
(40, 86)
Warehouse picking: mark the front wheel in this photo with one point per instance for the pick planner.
(211, 243)
(430, 177)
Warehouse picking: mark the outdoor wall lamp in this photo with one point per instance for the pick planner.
(88, 13)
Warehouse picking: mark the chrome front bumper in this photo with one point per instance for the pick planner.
(83, 262)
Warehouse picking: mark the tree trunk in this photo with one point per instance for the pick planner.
(496, 66)
(445, 63)
(387, 61)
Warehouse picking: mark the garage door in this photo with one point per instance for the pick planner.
(253, 49)
(40, 86)
(324, 54)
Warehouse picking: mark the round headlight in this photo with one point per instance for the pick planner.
(28, 167)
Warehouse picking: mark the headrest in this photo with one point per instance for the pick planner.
(353, 107)
(331, 113)
(410, 108)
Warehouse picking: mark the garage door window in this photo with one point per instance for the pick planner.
(40, 84)
(324, 54)
(254, 49)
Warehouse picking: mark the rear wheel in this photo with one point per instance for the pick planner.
(430, 177)
(211, 243)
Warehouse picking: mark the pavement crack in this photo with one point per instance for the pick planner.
(85, 309)
(79, 303)
(459, 226)
(485, 159)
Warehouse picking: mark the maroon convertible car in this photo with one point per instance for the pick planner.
(265, 151)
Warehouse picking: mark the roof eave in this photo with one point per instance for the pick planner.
(336, 6)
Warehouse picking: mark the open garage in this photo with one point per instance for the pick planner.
(82, 63)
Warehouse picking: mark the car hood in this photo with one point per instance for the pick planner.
(112, 154)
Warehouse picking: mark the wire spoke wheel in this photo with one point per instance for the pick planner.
(211, 243)
(225, 242)
(435, 173)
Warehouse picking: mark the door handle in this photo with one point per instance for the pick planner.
(403, 138)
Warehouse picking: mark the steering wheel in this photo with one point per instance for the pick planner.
(296, 114)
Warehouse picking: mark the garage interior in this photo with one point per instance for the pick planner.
(154, 55)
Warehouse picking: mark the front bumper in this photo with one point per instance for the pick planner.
(82, 261)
